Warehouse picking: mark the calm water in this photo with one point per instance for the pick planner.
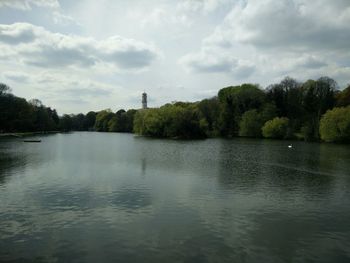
(104, 197)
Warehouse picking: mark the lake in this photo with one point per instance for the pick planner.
(108, 197)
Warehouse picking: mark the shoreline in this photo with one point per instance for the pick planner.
(24, 134)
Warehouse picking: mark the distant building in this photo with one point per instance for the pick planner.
(144, 100)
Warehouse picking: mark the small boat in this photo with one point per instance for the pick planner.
(31, 140)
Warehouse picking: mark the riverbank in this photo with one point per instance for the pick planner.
(24, 134)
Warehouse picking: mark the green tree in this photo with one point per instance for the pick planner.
(318, 97)
(130, 115)
(4, 89)
(119, 121)
(89, 120)
(253, 120)
(250, 124)
(210, 111)
(276, 128)
(148, 122)
(343, 97)
(102, 120)
(335, 125)
(287, 96)
(66, 123)
(179, 120)
(78, 122)
(234, 101)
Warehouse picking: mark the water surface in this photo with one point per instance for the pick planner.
(107, 197)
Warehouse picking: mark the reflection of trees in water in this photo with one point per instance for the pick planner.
(9, 163)
(176, 156)
(16, 155)
(143, 166)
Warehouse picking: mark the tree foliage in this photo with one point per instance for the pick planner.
(19, 115)
(172, 121)
(343, 97)
(335, 125)
(276, 128)
(250, 124)
(253, 120)
(288, 109)
(122, 121)
(234, 101)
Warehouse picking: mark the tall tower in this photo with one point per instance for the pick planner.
(144, 100)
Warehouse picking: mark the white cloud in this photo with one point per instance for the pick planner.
(184, 13)
(216, 42)
(310, 62)
(68, 93)
(201, 6)
(296, 37)
(216, 61)
(16, 76)
(60, 18)
(53, 6)
(17, 33)
(36, 46)
(288, 24)
(160, 16)
(28, 4)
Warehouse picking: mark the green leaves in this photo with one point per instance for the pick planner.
(171, 121)
(276, 128)
(335, 125)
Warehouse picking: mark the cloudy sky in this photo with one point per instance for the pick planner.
(84, 55)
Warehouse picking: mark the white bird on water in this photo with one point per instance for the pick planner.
(290, 146)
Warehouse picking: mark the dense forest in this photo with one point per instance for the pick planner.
(313, 111)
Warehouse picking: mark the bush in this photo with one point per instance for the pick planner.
(276, 128)
(335, 125)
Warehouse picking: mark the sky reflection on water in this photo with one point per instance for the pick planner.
(99, 197)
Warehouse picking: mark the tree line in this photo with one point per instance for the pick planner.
(313, 111)
(20, 115)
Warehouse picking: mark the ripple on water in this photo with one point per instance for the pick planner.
(96, 197)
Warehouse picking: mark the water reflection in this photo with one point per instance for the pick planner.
(253, 165)
(143, 166)
(95, 197)
(10, 159)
